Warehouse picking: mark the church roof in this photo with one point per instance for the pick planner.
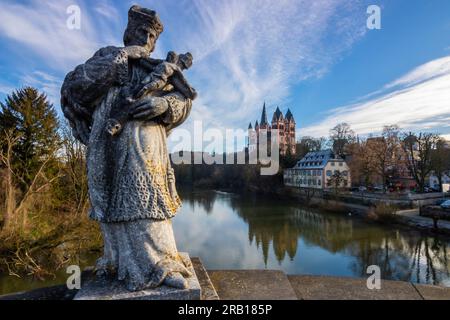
(317, 159)
(264, 115)
(256, 124)
(250, 126)
(289, 115)
(277, 114)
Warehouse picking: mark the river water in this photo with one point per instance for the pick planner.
(230, 231)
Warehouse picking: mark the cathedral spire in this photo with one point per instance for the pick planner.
(277, 115)
(264, 115)
(289, 115)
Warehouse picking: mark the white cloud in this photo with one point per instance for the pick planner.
(249, 51)
(420, 101)
(244, 51)
(40, 27)
(48, 83)
(6, 88)
(107, 9)
(427, 71)
(45, 82)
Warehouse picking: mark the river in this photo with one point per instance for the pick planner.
(230, 231)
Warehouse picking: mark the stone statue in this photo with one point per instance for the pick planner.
(162, 73)
(131, 182)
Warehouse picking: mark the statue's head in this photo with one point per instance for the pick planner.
(186, 60)
(143, 29)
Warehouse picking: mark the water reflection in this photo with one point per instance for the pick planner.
(246, 232)
(229, 231)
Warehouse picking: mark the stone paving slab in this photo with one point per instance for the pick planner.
(343, 288)
(252, 285)
(429, 292)
(271, 285)
(208, 291)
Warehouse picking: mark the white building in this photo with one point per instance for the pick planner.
(315, 170)
(434, 181)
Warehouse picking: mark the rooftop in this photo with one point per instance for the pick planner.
(317, 159)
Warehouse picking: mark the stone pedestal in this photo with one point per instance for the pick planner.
(100, 289)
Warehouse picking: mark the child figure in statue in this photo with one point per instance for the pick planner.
(168, 72)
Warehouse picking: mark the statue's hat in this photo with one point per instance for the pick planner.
(138, 16)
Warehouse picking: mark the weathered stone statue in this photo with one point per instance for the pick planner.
(131, 183)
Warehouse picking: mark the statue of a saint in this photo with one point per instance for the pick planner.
(131, 182)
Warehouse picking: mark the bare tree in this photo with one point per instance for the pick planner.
(6, 154)
(73, 155)
(15, 202)
(361, 162)
(440, 160)
(337, 181)
(418, 150)
(340, 136)
(383, 151)
(309, 144)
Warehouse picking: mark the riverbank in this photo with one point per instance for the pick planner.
(396, 216)
(274, 285)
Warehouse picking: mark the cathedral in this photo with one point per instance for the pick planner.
(285, 134)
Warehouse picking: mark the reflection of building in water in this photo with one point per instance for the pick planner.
(418, 259)
(205, 200)
(330, 232)
(280, 227)
(284, 230)
(282, 236)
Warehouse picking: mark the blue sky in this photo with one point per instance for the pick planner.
(315, 57)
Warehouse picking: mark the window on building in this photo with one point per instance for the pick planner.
(341, 164)
(345, 173)
(329, 173)
(333, 164)
(319, 182)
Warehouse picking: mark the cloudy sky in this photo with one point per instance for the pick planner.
(315, 57)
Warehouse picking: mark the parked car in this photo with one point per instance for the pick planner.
(445, 204)
(362, 189)
(431, 189)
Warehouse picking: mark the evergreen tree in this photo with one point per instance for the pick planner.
(29, 115)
